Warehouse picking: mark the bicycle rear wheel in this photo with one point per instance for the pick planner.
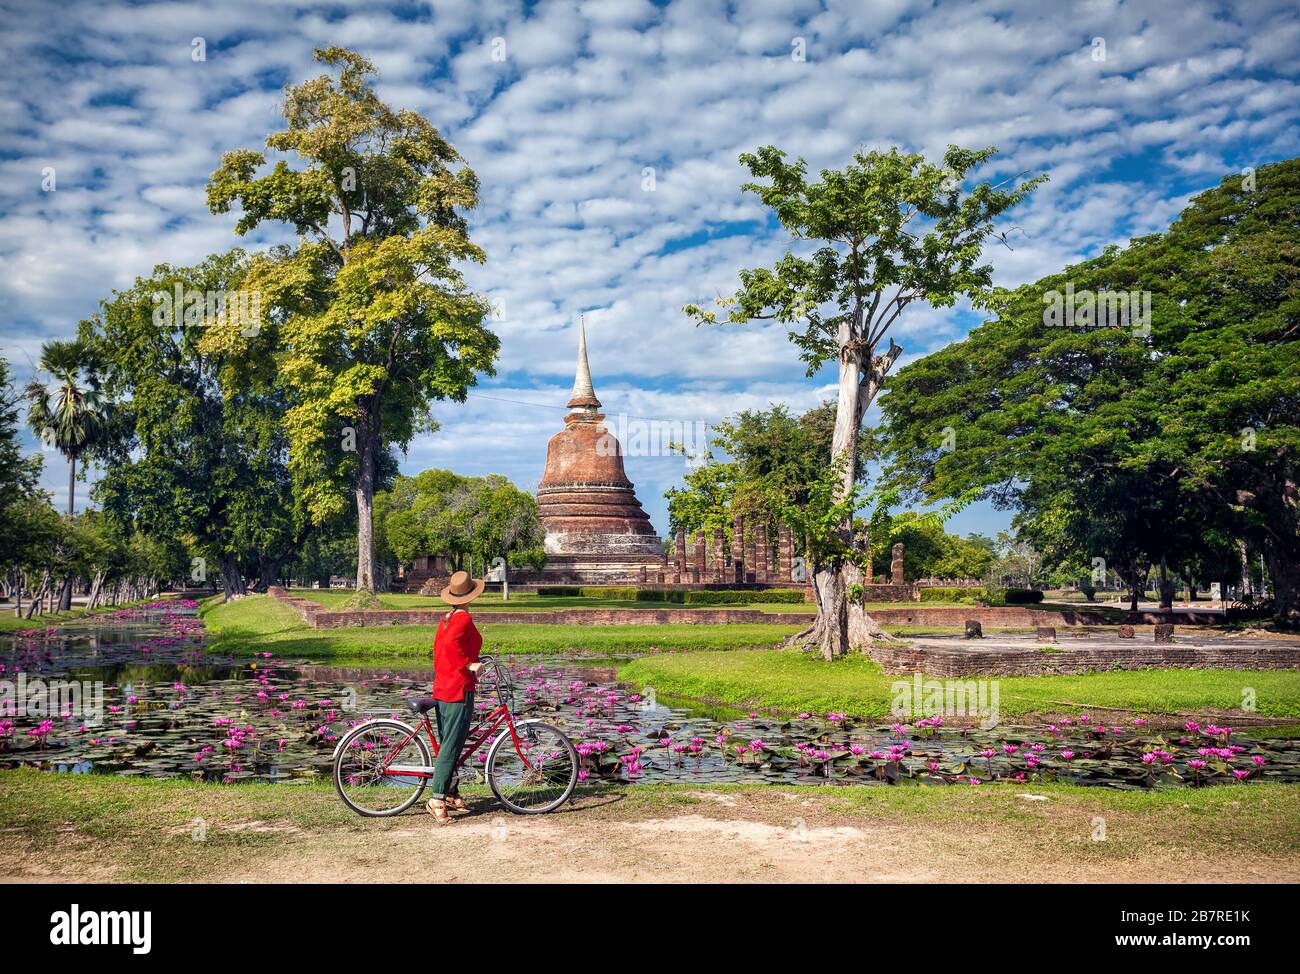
(363, 768)
(538, 775)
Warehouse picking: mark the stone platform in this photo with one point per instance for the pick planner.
(1013, 655)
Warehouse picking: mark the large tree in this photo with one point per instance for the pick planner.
(888, 230)
(1144, 445)
(465, 518)
(189, 461)
(19, 491)
(65, 410)
(369, 312)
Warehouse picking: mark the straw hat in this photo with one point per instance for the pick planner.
(462, 589)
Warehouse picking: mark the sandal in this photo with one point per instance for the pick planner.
(455, 803)
(438, 809)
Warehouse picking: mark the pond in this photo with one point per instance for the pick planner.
(135, 693)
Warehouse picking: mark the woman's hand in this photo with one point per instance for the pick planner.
(474, 667)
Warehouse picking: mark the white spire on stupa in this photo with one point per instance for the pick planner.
(583, 393)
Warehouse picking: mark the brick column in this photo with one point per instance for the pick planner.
(760, 564)
(865, 545)
(896, 565)
(738, 549)
(701, 565)
(719, 556)
(679, 568)
(787, 553)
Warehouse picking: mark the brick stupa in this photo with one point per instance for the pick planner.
(596, 530)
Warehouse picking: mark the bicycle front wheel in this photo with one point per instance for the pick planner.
(535, 776)
(364, 774)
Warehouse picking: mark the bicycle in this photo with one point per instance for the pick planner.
(381, 766)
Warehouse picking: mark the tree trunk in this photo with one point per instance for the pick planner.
(1134, 578)
(1245, 571)
(365, 491)
(843, 623)
(1166, 586)
(38, 596)
(232, 579)
(93, 599)
(268, 573)
(1284, 573)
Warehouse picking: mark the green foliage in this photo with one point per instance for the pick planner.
(1123, 444)
(67, 411)
(19, 476)
(888, 229)
(965, 595)
(186, 458)
(928, 550)
(734, 596)
(439, 512)
(373, 323)
(893, 228)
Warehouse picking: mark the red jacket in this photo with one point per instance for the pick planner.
(456, 645)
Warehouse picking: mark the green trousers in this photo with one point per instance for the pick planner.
(454, 720)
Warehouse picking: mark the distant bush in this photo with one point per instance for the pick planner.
(1022, 596)
(660, 595)
(743, 596)
(966, 595)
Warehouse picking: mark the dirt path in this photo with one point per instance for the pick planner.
(700, 848)
(767, 835)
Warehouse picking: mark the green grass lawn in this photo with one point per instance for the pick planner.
(794, 682)
(261, 624)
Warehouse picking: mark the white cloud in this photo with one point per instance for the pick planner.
(560, 132)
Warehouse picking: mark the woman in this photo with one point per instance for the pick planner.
(455, 671)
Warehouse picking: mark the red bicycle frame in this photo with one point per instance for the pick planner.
(481, 731)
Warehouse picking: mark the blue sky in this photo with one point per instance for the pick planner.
(561, 132)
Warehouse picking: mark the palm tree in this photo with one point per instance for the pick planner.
(67, 414)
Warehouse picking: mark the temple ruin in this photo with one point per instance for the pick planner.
(596, 530)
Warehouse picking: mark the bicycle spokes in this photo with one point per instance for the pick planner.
(536, 772)
(370, 769)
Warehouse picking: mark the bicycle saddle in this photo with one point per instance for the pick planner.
(421, 705)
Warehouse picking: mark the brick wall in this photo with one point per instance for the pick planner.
(877, 592)
(318, 617)
(971, 661)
